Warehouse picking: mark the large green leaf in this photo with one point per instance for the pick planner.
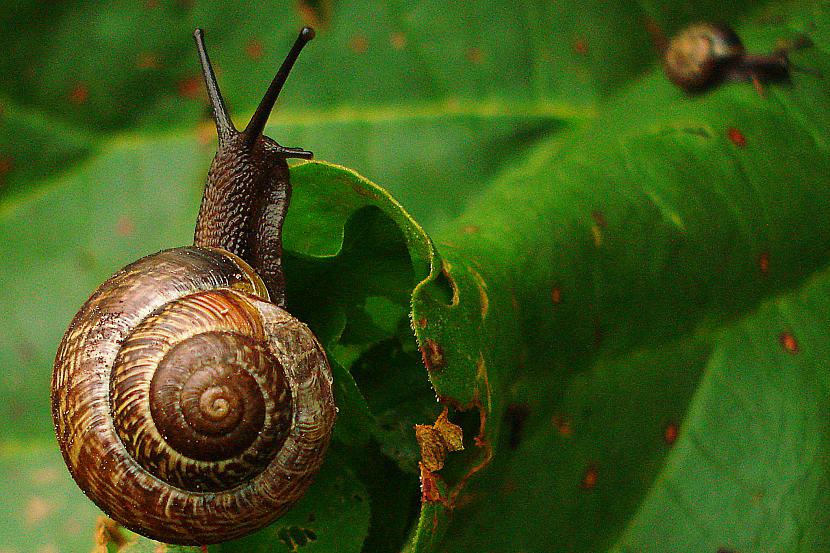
(406, 92)
(626, 312)
(670, 264)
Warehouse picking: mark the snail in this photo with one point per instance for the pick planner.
(189, 405)
(705, 54)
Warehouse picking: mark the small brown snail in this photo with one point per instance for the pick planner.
(188, 404)
(705, 54)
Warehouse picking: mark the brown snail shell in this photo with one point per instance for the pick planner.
(701, 55)
(187, 406)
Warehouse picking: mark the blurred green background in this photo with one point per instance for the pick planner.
(105, 140)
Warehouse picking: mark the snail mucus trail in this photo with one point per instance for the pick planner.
(189, 405)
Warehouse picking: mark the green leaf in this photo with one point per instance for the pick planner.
(625, 316)
(664, 234)
(43, 509)
(404, 92)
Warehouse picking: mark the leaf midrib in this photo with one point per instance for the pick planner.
(342, 115)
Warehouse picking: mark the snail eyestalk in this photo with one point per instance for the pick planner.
(224, 126)
(254, 129)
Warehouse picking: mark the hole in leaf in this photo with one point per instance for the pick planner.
(458, 463)
(295, 537)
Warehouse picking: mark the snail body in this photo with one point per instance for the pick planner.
(705, 54)
(189, 405)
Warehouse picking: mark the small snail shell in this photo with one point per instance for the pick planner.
(698, 55)
(706, 54)
(189, 405)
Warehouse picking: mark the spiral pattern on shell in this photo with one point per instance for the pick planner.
(187, 407)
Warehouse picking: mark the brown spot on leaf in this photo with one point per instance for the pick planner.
(556, 295)
(422, 322)
(590, 477)
(254, 49)
(79, 94)
(148, 60)
(581, 46)
(150, 4)
(563, 426)
(37, 509)
(736, 137)
(46, 475)
(474, 55)
(599, 219)
(470, 229)
(516, 416)
(788, 342)
(398, 41)
(763, 263)
(190, 87)
(436, 440)
(124, 226)
(359, 44)
(670, 433)
(433, 355)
